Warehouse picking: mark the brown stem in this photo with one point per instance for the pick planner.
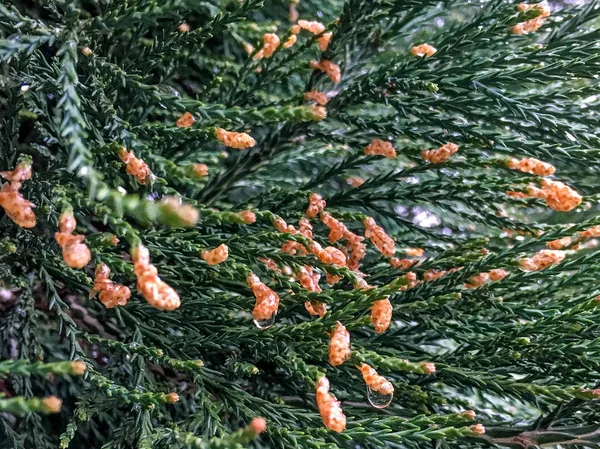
(539, 438)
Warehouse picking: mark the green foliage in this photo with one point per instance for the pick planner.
(82, 79)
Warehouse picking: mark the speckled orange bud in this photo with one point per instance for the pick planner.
(312, 27)
(415, 252)
(200, 170)
(270, 264)
(498, 274)
(531, 165)
(186, 120)
(558, 196)
(432, 275)
(111, 294)
(411, 277)
(318, 113)
(361, 284)
(403, 264)
(16, 207)
(324, 40)
(329, 255)
(379, 147)
(316, 205)
(542, 259)
(592, 232)
(428, 367)
(384, 243)
(477, 429)
(513, 194)
(172, 398)
(559, 243)
(316, 96)
(374, 381)
(519, 28)
(292, 247)
(329, 408)
(20, 174)
(135, 167)
(477, 281)
(290, 41)
(282, 226)
(75, 254)
(468, 415)
(381, 315)
(423, 50)
(532, 25)
(333, 256)
(339, 345)
(187, 214)
(217, 255)
(305, 228)
(267, 301)
(51, 404)
(270, 43)
(308, 279)
(293, 14)
(336, 228)
(332, 279)
(542, 8)
(257, 57)
(440, 155)
(78, 368)
(331, 69)
(157, 292)
(67, 223)
(258, 425)
(232, 139)
(315, 308)
(247, 216)
(357, 250)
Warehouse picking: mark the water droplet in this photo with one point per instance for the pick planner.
(5, 294)
(379, 400)
(265, 324)
(169, 90)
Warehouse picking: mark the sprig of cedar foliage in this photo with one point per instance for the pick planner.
(521, 352)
